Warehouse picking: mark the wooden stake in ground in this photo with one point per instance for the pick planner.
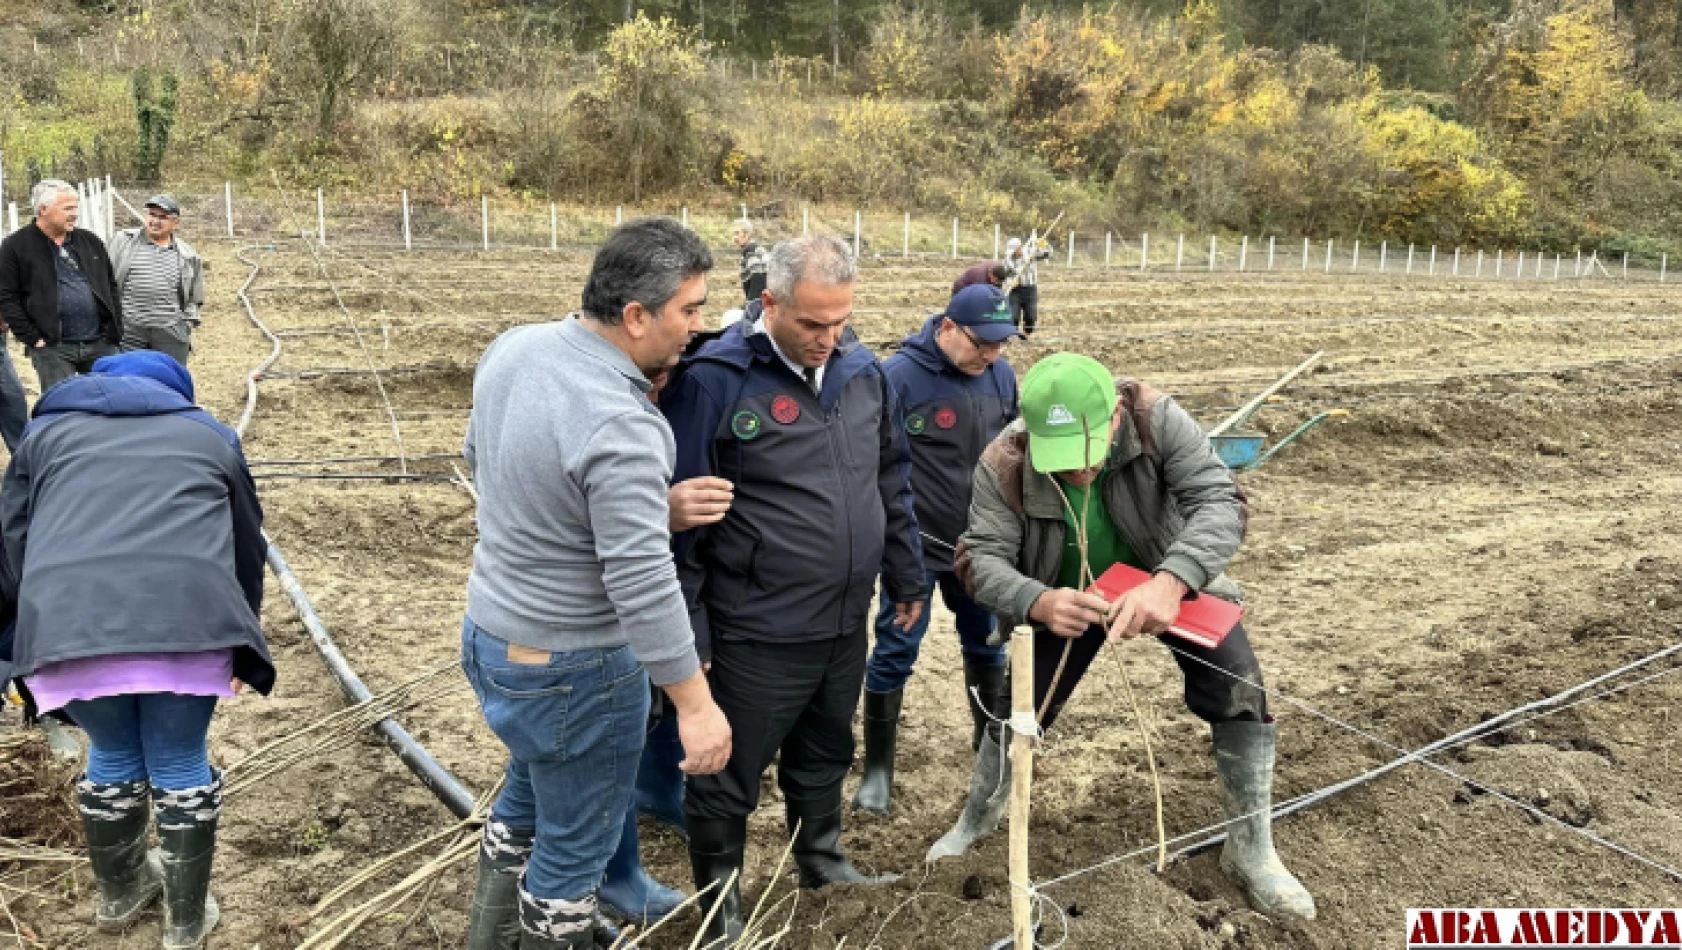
(1021, 786)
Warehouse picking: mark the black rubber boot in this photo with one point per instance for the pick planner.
(494, 921)
(989, 683)
(115, 818)
(881, 736)
(187, 828)
(816, 827)
(716, 850)
(1244, 760)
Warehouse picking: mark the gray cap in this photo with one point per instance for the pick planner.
(164, 203)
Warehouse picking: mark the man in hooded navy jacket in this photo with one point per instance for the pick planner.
(807, 428)
(957, 393)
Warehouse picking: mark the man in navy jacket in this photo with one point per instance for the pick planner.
(957, 392)
(807, 428)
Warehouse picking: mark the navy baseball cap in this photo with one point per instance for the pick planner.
(983, 310)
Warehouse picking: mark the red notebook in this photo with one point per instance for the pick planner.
(1203, 620)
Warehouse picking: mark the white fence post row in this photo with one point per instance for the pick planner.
(484, 222)
(1577, 271)
(618, 215)
(1108, 237)
(1145, 251)
(1626, 264)
(1305, 254)
(228, 205)
(905, 249)
(110, 208)
(1243, 253)
(995, 240)
(1328, 255)
(1410, 259)
(1456, 262)
(1270, 240)
(1664, 264)
(1556, 266)
(1499, 256)
(555, 227)
(320, 218)
(684, 216)
(1355, 258)
(1479, 272)
(1433, 271)
(1211, 253)
(858, 228)
(1383, 255)
(1071, 249)
(1180, 255)
(408, 235)
(954, 238)
(1521, 264)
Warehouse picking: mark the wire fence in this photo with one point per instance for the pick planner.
(405, 222)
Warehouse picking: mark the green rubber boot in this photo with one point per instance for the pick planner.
(1244, 759)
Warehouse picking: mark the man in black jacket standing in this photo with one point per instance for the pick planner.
(807, 428)
(57, 290)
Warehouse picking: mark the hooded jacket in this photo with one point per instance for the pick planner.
(132, 524)
(823, 491)
(950, 417)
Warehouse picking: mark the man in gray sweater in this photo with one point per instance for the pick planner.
(573, 605)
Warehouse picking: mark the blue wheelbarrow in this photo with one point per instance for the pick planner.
(1242, 451)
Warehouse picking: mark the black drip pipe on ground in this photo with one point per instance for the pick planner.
(435, 777)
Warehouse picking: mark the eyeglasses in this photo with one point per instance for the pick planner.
(982, 345)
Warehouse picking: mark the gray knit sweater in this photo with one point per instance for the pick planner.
(572, 465)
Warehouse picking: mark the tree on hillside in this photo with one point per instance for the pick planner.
(639, 114)
(347, 42)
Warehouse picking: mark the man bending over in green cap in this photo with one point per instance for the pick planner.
(1126, 467)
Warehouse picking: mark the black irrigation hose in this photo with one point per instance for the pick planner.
(435, 777)
(411, 753)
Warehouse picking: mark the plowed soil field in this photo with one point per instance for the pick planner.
(1493, 522)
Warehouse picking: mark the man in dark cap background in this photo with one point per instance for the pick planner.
(161, 282)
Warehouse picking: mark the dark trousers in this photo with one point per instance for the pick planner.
(1025, 307)
(792, 699)
(174, 341)
(14, 406)
(57, 362)
(1211, 695)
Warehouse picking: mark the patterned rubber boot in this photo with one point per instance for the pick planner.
(494, 921)
(115, 818)
(560, 924)
(187, 827)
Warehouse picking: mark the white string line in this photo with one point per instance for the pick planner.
(1417, 756)
(1307, 798)
(361, 342)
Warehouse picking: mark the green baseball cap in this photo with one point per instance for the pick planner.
(1067, 400)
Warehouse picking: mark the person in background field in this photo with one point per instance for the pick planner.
(1098, 473)
(161, 281)
(991, 273)
(753, 261)
(1024, 282)
(57, 292)
(806, 427)
(957, 392)
(573, 604)
(135, 533)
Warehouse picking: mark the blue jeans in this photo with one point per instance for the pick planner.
(574, 731)
(155, 736)
(896, 650)
(14, 406)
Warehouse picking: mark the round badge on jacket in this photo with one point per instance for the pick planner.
(746, 425)
(785, 409)
(915, 424)
(945, 417)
